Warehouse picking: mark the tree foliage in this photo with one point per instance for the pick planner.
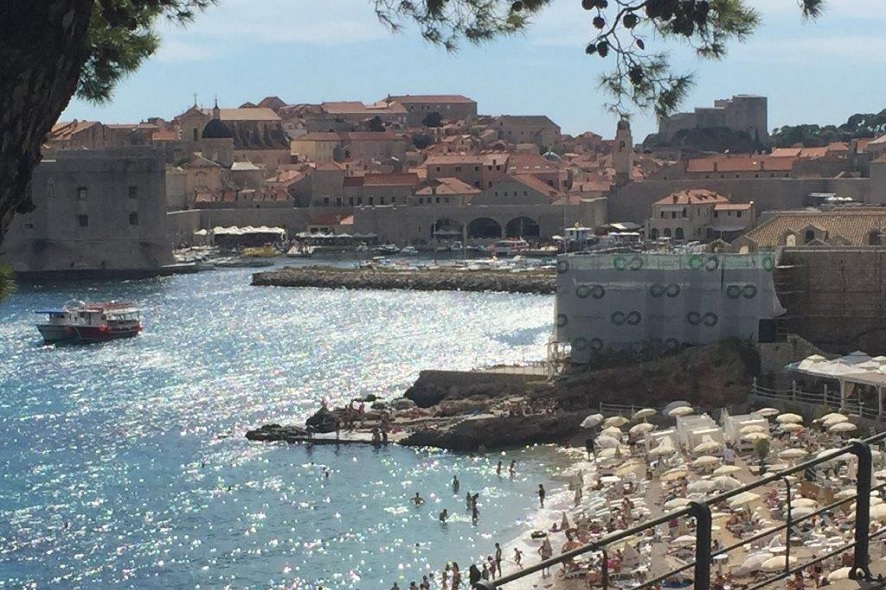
(122, 35)
(813, 135)
(433, 119)
(624, 33)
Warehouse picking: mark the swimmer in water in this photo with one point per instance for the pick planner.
(418, 500)
(444, 515)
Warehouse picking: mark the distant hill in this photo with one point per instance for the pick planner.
(710, 139)
(813, 135)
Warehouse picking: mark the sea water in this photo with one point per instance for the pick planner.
(124, 465)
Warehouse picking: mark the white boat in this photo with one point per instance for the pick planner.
(509, 247)
(409, 251)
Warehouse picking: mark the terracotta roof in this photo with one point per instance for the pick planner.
(530, 164)
(61, 131)
(742, 163)
(862, 143)
(164, 136)
(850, 226)
(448, 159)
(371, 136)
(526, 120)
(355, 107)
(319, 136)
(790, 152)
(248, 114)
(404, 179)
(446, 186)
(732, 206)
(430, 98)
(537, 185)
(692, 197)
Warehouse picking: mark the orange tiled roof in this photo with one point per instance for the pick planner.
(449, 159)
(447, 186)
(430, 98)
(530, 164)
(851, 225)
(732, 206)
(248, 114)
(537, 185)
(696, 196)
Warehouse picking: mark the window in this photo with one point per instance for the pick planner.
(525, 193)
(83, 220)
(372, 200)
(678, 233)
(351, 201)
(381, 200)
(393, 200)
(506, 193)
(133, 219)
(716, 214)
(338, 201)
(437, 200)
(359, 200)
(438, 169)
(82, 193)
(738, 213)
(445, 199)
(458, 168)
(133, 192)
(496, 193)
(683, 213)
(421, 201)
(476, 168)
(810, 235)
(325, 200)
(662, 214)
(673, 215)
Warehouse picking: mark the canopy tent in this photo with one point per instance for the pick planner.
(848, 370)
(247, 235)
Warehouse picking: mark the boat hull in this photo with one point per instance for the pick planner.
(53, 334)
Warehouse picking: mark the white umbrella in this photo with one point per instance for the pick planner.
(842, 427)
(644, 413)
(681, 411)
(790, 427)
(801, 511)
(617, 421)
(607, 453)
(612, 431)
(591, 421)
(726, 483)
(727, 469)
(675, 473)
(755, 436)
(675, 503)
(662, 450)
(847, 493)
(702, 486)
(833, 416)
(789, 417)
(796, 503)
(753, 428)
(606, 442)
(642, 428)
(743, 498)
(707, 446)
(774, 564)
(705, 460)
(634, 466)
(684, 540)
(792, 454)
(766, 412)
(878, 512)
(674, 404)
(754, 561)
(841, 573)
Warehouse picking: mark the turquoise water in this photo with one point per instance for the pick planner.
(124, 464)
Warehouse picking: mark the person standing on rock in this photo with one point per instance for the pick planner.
(498, 558)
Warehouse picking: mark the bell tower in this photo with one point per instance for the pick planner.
(623, 153)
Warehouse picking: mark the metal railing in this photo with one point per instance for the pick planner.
(825, 397)
(701, 512)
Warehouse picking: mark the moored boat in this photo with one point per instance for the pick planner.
(81, 323)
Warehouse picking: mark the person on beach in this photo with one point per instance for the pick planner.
(395, 586)
(444, 515)
(444, 576)
(589, 447)
(493, 566)
(418, 500)
(518, 557)
(498, 468)
(474, 500)
(456, 576)
(485, 572)
(475, 514)
(512, 469)
(468, 501)
(412, 585)
(455, 484)
(541, 496)
(546, 551)
(498, 558)
(474, 574)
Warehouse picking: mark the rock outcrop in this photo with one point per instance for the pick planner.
(541, 281)
(276, 432)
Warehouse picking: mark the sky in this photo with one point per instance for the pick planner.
(310, 51)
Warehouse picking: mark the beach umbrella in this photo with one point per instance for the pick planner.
(878, 512)
(591, 421)
(608, 453)
(612, 431)
(847, 493)
(675, 503)
(706, 446)
(617, 421)
(727, 469)
(754, 436)
(842, 427)
(633, 466)
(606, 442)
(797, 502)
(684, 540)
(705, 461)
(680, 411)
(801, 511)
(753, 428)
(789, 417)
(662, 450)
(641, 428)
(754, 561)
(766, 412)
(833, 416)
(841, 573)
(743, 498)
(792, 454)
(726, 483)
(643, 414)
(674, 404)
(702, 486)
(790, 427)
(675, 473)
(774, 564)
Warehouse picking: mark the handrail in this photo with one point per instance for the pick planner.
(701, 511)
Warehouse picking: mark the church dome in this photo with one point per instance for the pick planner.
(216, 129)
(551, 156)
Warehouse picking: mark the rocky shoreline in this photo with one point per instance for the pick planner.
(478, 411)
(530, 280)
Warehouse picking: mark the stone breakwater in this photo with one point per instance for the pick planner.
(540, 281)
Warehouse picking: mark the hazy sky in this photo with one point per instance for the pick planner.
(309, 51)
